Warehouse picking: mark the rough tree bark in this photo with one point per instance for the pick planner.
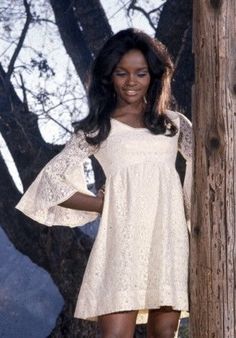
(213, 237)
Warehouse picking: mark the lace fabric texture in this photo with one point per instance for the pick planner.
(58, 180)
(185, 146)
(139, 259)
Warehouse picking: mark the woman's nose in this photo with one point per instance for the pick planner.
(131, 80)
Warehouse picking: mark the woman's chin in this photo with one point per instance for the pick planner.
(132, 99)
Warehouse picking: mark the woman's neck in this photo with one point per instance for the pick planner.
(129, 115)
(132, 110)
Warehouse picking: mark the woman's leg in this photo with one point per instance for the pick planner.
(118, 324)
(163, 322)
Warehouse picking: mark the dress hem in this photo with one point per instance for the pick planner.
(142, 305)
(141, 317)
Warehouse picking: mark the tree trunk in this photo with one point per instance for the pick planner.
(72, 37)
(93, 20)
(175, 31)
(80, 32)
(212, 257)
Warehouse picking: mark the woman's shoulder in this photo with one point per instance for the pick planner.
(177, 115)
(173, 115)
(79, 143)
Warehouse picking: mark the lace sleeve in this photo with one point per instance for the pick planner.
(57, 181)
(185, 146)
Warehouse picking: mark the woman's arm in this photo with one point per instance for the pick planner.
(80, 201)
(59, 194)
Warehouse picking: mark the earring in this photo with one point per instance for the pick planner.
(145, 99)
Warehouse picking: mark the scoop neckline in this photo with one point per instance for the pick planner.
(140, 128)
(127, 125)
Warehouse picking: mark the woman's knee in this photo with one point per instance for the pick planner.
(165, 332)
(117, 325)
(163, 323)
(113, 334)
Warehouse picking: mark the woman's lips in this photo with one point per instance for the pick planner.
(130, 92)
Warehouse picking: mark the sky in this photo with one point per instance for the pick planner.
(44, 37)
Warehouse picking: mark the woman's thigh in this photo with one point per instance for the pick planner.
(118, 324)
(163, 322)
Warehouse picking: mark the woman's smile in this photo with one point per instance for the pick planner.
(130, 92)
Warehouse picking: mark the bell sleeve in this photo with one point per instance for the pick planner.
(185, 146)
(62, 176)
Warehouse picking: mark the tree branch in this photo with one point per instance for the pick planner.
(24, 92)
(147, 15)
(182, 47)
(19, 128)
(72, 37)
(55, 121)
(21, 40)
(175, 30)
(93, 20)
(8, 188)
(83, 27)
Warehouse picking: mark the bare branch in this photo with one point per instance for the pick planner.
(5, 51)
(39, 20)
(120, 9)
(147, 15)
(60, 104)
(55, 121)
(158, 9)
(21, 40)
(24, 92)
(21, 133)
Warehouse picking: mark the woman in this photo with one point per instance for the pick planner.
(138, 268)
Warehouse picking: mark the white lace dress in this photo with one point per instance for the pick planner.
(139, 260)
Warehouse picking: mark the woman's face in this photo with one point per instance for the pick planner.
(131, 78)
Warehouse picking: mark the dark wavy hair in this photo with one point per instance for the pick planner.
(101, 95)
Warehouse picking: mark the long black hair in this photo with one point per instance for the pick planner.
(101, 94)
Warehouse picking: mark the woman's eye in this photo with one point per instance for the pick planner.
(119, 74)
(142, 74)
(123, 74)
